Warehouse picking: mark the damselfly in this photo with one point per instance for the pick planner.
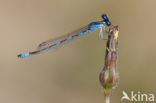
(60, 40)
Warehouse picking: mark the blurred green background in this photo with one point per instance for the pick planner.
(70, 74)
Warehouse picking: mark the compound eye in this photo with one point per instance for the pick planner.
(108, 23)
(106, 19)
(104, 16)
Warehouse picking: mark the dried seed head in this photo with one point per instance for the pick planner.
(109, 76)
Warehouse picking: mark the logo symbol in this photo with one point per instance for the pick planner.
(137, 96)
(125, 96)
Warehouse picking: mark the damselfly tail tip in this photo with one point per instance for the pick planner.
(23, 55)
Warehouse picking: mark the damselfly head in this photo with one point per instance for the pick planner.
(106, 19)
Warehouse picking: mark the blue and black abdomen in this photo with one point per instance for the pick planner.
(67, 37)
